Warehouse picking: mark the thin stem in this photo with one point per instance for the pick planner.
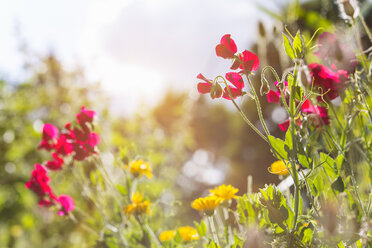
(368, 32)
(243, 115)
(213, 229)
(258, 105)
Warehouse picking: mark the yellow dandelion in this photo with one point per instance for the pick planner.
(207, 204)
(138, 168)
(225, 192)
(138, 206)
(188, 233)
(167, 235)
(279, 168)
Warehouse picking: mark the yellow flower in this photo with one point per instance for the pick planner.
(188, 233)
(278, 168)
(139, 168)
(207, 204)
(138, 207)
(167, 235)
(225, 192)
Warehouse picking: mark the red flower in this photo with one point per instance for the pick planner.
(249, 62)
(274, 96)
(237, 81)
(67, 204)
(331, 82)
(50, 135)
(85, 116)
(319, 114)
(39, 183)
(55, 164)
(227, 48)
(64, 144)
(336, 53)
(215, 90)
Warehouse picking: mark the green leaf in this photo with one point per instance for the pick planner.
(338, 185)
(201, 228)
(298, 45)
(288, 47)
(329, 165)
(123, 190)
(288, 141)
(305, 161)
(278, 147)
(178, 238)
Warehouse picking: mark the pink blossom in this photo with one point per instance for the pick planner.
(67, 204)
(227, 47)
(237, 81)
(249, 62)
(85, 116)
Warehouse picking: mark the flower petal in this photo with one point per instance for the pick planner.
(235, 79)
(204, 88)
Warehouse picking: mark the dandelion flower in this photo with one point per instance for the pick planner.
(138, 206)
(138, 168)
(207, 204)
(167, 235)
(224, 192)
(188, 233)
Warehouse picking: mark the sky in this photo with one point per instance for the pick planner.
(137, 49)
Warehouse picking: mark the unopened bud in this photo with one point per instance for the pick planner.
(216, 91)
(349, 9)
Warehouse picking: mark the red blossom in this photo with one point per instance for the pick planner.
(55, 164)
(207, 86)
(227, 48)
(67, 204)
(331, 82)
(50, 135)
(249, 62)
(85, 116)
(274, 96)
(39, 183)
(319, 114)
(237, 81)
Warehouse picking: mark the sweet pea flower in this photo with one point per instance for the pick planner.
(319, 114)
(208, 86)
(67, 204)
(227, 47)
(331, 82)
(274, 96)
(249, 62)
(85, 116)
(55, 164)
(238, 82)
(39, 183)
(50, 135)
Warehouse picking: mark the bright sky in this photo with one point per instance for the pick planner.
(136, 48)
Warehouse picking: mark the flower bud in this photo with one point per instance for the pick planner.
(216, 91)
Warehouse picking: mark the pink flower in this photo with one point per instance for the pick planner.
(64, 144)
(55, 164)
(329, 81)
(39, 183)
(249, 62)
(335, 53)
(207, 86)
(237, 81)
(285, 124)
(319, 115)
(67, 204)
(50, 135)
(85, 116)
(227, 48)
(274, 96)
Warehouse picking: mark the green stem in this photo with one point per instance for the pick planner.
(213, 229)
(258, 105)
(292, 102)
(243, 115)
(368, 32)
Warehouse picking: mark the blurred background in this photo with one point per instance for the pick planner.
(135, 62)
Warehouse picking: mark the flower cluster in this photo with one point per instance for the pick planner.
(221, 194)
(138, 205)
(246, 61)
(187, 234)
(78, 142)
